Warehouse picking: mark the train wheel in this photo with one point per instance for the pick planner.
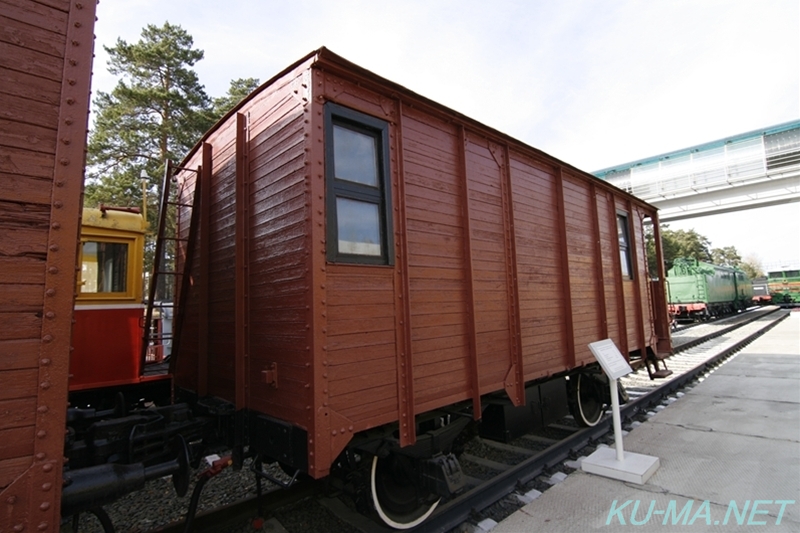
(400, 501)
(585, 399)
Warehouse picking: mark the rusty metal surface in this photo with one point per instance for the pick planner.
(51, 58)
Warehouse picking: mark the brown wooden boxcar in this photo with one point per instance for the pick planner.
(364, 255)
(45, 70)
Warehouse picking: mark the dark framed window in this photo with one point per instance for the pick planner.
(358, 189)
(623, 235)
(104, 267)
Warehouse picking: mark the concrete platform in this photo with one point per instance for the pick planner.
(729, 452)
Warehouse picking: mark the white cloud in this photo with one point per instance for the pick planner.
(593, 83)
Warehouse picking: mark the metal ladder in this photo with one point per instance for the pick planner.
(169, 234)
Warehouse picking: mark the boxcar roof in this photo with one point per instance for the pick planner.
(325, 58)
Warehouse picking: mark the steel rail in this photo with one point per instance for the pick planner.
(757, 315)
(456, 512)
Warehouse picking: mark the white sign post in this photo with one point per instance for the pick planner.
(629, 466)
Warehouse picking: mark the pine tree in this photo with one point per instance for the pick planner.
(157, 111)
(238, 89)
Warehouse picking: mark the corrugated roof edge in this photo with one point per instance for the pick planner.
(324, 57)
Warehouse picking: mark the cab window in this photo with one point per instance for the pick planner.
(104, 267)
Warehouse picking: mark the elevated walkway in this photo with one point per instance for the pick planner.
(755, 169)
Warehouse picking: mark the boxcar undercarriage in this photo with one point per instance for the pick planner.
(116, 451)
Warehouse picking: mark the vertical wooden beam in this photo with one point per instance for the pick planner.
(598, 257)
(185, 260)
(242, 300)
(639, 277)
(404, 360)
(566, 290)
(514, 382)
(203, 282)
(618, 281)
(469, 276)
(662, 314)
(316, 349)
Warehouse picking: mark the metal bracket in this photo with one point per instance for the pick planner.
(271, 375)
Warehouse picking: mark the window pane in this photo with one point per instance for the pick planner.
(622, 232)
(624, 253)
(359, 227)
(623, 259)
(355, 156)
(105, 267)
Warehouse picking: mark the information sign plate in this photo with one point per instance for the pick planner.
(610, 358)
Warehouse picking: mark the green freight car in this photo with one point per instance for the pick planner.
(784, 287)
(699, 291)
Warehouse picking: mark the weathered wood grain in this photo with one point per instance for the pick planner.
(33, 62)
(19, 412)
(38, 14)
(19, 354)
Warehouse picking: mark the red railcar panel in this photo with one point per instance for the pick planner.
(107, 343)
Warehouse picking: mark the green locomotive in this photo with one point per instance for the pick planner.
(784, 287)
(699, 291)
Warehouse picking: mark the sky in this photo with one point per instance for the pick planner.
(595, 83)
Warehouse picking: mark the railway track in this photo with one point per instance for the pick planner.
(502, 477)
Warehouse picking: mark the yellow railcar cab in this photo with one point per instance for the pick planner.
(111, 256)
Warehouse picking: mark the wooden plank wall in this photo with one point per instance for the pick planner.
(221, 262)
(464, 274)
(45, 70)
(280, 311)
(438, 268)
(538, 254)
(586, 311)
(488, 244)
(277, 288)
(361, 378)
(487, 235)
